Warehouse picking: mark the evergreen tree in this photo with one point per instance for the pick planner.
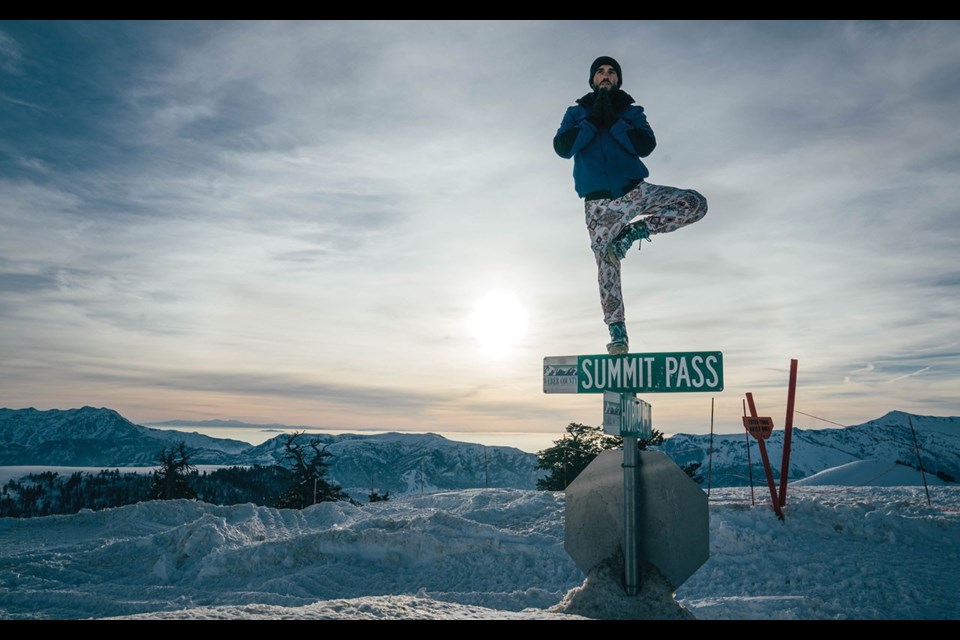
(655, 440)
(170, 480)
(693, 470)
(309, 468)
(571, 454)
(579, 446)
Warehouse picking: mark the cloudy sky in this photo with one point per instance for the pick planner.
(363, 225)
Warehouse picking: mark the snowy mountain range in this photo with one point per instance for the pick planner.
(411, 463)
(420, 463)
(97, 437)
(886, 440)
(394, 462)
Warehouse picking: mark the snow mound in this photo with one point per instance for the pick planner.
(602, 596)
(398, 607)
(869, 473)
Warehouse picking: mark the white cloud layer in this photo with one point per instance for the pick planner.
(292, 222)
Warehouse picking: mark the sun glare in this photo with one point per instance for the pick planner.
(498, 322)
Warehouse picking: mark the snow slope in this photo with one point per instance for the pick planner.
(854, 553)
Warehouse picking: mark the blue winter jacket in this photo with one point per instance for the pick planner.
(606, 161)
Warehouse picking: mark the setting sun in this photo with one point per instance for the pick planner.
(498, 322)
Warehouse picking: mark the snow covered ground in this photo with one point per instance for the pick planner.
(841, 553)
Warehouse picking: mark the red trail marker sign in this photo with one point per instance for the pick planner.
(759, 428)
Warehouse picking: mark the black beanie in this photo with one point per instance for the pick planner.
(605, 60)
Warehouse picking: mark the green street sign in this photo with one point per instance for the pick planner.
(634, 373)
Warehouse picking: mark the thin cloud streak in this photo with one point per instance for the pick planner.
(908, 375)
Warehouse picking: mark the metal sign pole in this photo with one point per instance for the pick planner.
(631, 560)
(628, 417)
(632, 415)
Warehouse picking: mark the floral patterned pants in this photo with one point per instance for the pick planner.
(663, 209)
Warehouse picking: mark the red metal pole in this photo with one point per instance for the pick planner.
(766, 467)
(746, 434)
(766, 462)
(753, 407)
(710, 458)
(787, 432)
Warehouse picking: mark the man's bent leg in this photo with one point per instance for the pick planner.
(664, 209)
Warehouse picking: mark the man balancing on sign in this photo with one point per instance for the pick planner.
(606, 134)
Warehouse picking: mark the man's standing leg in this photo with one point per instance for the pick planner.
(604, 225)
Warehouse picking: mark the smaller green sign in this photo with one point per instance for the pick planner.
(626, 415)
(634, 373)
